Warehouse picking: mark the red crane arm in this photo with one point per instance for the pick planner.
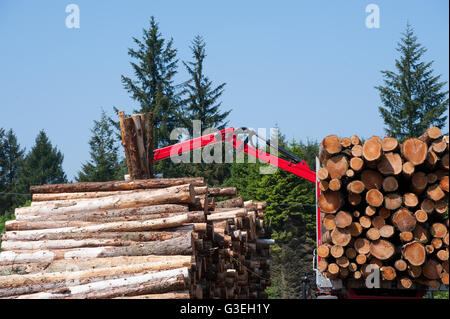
(300, 169)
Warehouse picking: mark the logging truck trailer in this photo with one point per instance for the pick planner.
(327, 288)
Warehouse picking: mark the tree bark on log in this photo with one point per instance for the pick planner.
(116, 185)
(181, 194)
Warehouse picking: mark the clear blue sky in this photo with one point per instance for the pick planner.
(308, 66)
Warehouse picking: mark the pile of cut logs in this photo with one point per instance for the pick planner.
(150, 238)
(385, 204)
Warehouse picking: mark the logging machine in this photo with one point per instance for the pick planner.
(326, 288)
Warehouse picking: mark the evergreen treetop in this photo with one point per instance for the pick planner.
(413, 98)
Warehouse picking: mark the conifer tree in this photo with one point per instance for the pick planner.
(11, 156)
(42, 165)
(413, 98)
(155, 65)
(104, 163)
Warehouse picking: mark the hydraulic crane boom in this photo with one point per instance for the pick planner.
(297, 167)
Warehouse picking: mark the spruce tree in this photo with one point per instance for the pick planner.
(155, 65)
(11, 156)
(413, 98)
(104, 163)
(202, 101)
(42, 165)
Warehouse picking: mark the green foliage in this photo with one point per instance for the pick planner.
(154, 67)
(104, 164)
(413, 98)
(11, 156)
(42, 165)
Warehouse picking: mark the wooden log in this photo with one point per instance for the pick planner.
(436, 242)
(140, 143)
(370, 210)
(115, 238)
(432, 269)
(361, 259)
(390, 164)
(110, 215)
(323, 251)
(32, 283)
(362, 246)
(124, 142)
(323, 186)
(149, 123)
(393, 201)
(322, 174)
(388, 273)
(406, 283)
(357, 151)
(389, 144)
(404, 220)
(432, 178)
(157, 282)
(146, 225)
(355, 229)
(374, 197)
(373, 234)
(343, 219)
(414, 253)
(222, 191)
(328, 222)
(333, 268)
(400, 265)
(365, 221)
(430, 134)
(431, 160)
(64, 265)
(342, 262)
(421, 234)
(38, 198)
(372, 179)
(378, 222)
(332, 144)
(116, 185)
(337, 251)
(408, 169)
(372, 150)
(410, 200)
(183, 294)
(356, 187)
(406, 236)
(435, 193)
(444, 161)
(414, 151)
(355, 140)
(346, 142)
(330, 202)
(350, 253)
(382, 249)
(182, 194)
(340, 237)
(390, 184)
(444, 183)
(384, 212)
(421, 216)
(136, 170)
(427, 205)
(419, 182)
(337, 166)
(387, 231)
(229, 214)
(356, 164)
(438, 230)
(442, 255)
(322, 265)
(334, 184)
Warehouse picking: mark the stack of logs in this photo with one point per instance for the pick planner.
(153, 238)
(385, 204)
